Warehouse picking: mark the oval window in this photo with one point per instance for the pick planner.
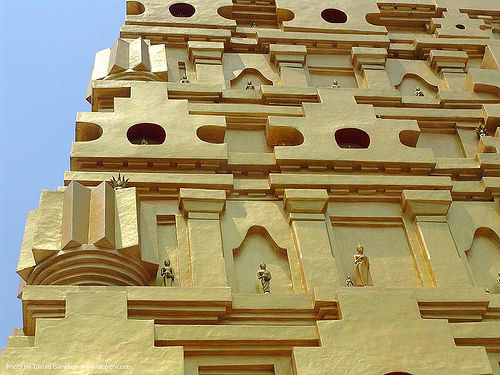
(146, 134)
(334, 16)
(181, 10)
(352, 138)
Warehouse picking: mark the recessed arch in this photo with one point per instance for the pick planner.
(284, 15)
(258, 246)
(249, 74)
(226, 12)
(182, 10)
(211, 134)
(409, 138)
(146, 134)
(87, 131)
(352, 138)
(483, 257)
(334, 16)
(283, 136)
(134, 8)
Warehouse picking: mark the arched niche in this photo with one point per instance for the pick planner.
(211, 134)
(87, 131)
(258, 247)
(484, 259)
(410, 82)
(134, 8)
(249, 74)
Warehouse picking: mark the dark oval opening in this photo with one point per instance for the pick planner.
(334, 16)
(460, 26)
(352, 138)
(135, 8)
(181, 10)
(146, 134)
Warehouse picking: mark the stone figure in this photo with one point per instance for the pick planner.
(362, 264)
(119, 183)
(144, 141)
(418, 92)
(265, 278)
(348, 282)
(184, 78)
(481, 131)
(254, 24)
(168, 273)
(335, 84)
(250, 86)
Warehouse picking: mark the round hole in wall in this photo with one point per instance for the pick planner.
(334, 16)
(352, 138)
(181, 10)
(460, 26)
(146, 134)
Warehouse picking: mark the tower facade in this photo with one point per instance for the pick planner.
(276, 187)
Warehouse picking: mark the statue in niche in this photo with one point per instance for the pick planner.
(335, 84)
(120, 183)
(144, 141)
(362, 264)
(348, 282)
(184, 78)
(254, 24)
(250, 86)
(167, 273)
(264, 275)
(481, 131)
(418, 92)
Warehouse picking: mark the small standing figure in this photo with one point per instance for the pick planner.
(144, 141)
(362, 264)
(418, 92)
(335, 84)
(120, 183)
(481, 131)
(184, 78)
(250, 86)
(265, 278)
(168, 273)
(254, 24)
(348, 282)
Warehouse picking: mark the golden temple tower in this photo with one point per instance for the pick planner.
(276, 187)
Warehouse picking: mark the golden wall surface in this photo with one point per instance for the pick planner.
(287, 132)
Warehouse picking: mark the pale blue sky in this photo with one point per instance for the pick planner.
(46, 53)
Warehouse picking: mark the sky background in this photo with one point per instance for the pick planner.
(46, 53)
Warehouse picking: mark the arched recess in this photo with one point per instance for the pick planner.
(211, 134)
(409, 82)
(409, 138)
(484, 259)
(257, 247)
(87, 131)
(249, 74)
(134, 8)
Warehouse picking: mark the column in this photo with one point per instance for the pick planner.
(202, 209)
(306, 212)
(429, 210)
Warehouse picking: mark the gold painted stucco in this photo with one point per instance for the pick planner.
(289, 140)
